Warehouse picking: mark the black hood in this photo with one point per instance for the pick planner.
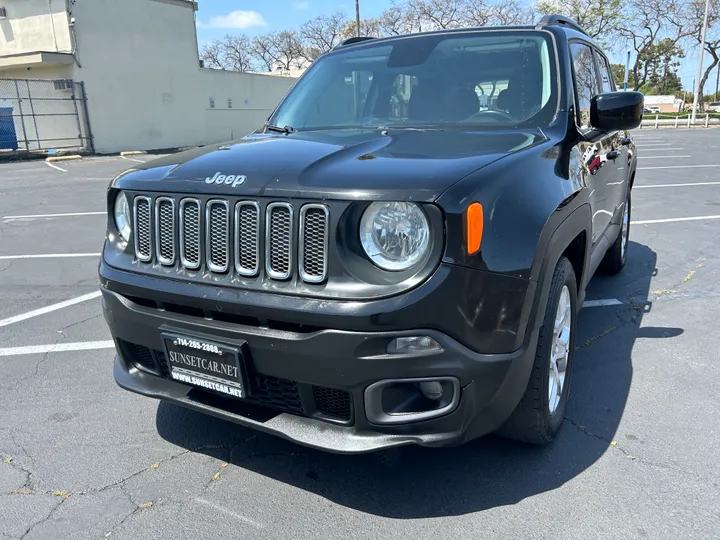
(415, 165)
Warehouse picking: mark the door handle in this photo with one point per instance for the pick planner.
(614, 154)
(625, 141)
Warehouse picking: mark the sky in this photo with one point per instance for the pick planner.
(219, 17)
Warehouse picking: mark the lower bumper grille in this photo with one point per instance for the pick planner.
(272, 392)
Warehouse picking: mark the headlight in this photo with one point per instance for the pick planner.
(122, 216)
(395, 235)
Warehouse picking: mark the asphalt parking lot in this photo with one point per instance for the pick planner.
(637, 458)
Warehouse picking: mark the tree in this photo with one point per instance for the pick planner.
(646, 24)
(696, 14)
(511, 12)
(324, 32)
(618, 71)
(231, 53)
(211, 55)
(599, 18)
(279, 50)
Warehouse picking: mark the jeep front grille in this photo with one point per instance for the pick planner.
(218, 236)
(143, 230)
(225, 237)
(165, 230)
(190, 210)
(278, 242)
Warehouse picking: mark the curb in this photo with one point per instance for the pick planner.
(63, 158)
(133, 153)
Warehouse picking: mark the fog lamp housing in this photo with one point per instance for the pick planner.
(414, 345)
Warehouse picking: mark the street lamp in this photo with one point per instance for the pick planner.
(700, 60)
(627, 69)
(357, 16)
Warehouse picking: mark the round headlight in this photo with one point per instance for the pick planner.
(122, 216)
(395, 235)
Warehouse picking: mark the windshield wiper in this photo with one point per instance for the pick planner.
(287, 129)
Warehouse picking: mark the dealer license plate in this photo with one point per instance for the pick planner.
(205, 364)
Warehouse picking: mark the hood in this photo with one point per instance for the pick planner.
(414, 165)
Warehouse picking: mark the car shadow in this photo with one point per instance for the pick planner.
(415, 482)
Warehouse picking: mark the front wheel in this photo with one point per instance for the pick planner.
(539, 416)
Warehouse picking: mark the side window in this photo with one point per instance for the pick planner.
(586, 81)
(605, 74)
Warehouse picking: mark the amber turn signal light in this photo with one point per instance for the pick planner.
(474, 223)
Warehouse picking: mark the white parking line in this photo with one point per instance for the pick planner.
(48, 256)
(49, 309)
(57, 347)
(135, 160)
(654, 144)
(660, 157)
(72, 214)
(673, 220)
(659, 149)
(600, 303)
(54, 167)
(679, 167)
(679, 185)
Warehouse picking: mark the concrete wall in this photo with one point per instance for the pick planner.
(34, 25)
(145, 87)
(139, 62)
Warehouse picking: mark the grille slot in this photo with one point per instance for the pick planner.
(247, 238)
(218, 235)
(278, 241)
(165, 230)
(143, 235)
(333, 403)
(277, 393)
(190, 233)
(313, 243)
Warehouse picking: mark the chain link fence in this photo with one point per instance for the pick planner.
(43, 116)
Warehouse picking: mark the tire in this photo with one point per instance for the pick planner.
(615, 257)
(538, 417)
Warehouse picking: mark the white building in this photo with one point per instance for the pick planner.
(138, 60)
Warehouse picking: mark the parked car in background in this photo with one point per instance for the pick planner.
(714, 106)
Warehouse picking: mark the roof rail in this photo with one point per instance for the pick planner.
(559, 20)
(353, 40)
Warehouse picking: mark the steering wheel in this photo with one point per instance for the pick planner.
(502, 116)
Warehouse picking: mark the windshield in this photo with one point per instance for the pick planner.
(500, 78)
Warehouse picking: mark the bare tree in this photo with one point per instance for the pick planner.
(599, 18)
(279, 50)
(437, 14)
(211, 55)
(324, 32)
(236, 53)
(648, 23)
(477, 13)
(396, 21)
(696, 14)
(368, 27)
(511, 12)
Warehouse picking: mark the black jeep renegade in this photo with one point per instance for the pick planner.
(397, 256)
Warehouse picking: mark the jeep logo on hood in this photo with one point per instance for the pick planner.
(230, 179)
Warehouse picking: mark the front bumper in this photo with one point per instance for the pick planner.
(307, 359)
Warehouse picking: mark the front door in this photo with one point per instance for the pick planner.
(599, 158)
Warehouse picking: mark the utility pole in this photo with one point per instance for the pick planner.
(627, 69)
(700, 60)
(717, 83)
(357, 16)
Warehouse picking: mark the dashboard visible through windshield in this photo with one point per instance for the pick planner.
(500, 78)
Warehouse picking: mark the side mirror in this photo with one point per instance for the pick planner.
(613, 111)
